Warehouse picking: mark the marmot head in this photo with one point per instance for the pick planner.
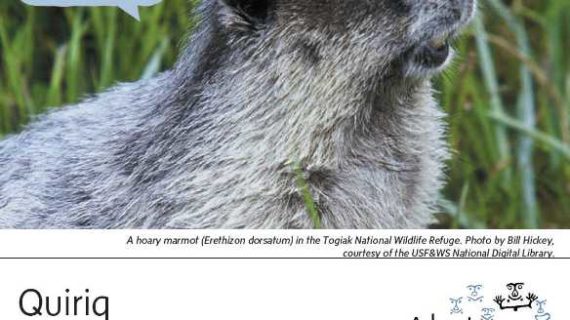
(361, 40)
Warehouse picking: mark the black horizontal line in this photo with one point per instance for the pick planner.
(262, 258)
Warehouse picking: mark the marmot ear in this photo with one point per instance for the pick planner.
(246, 15)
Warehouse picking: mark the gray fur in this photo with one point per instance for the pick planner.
(261, 84)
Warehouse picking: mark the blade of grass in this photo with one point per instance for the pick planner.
(153, 66)
(55, 87)
(492, 84)
(546, 139)
(526, 113)
(74, 69)
(465, 219)
(108, 48)
(310, 205)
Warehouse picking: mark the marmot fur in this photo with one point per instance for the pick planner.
(339, 87)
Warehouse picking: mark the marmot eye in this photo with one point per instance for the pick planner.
(258, 9)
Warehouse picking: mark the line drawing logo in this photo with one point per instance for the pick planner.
(487, 313)
(474, 293)
(515, 298)
(541, 314)
(517, 304)
(455, 305)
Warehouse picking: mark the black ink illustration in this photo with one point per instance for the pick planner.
(515, 299)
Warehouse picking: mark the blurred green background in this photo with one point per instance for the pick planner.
(507, 95)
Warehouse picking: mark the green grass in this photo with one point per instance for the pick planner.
(509, 100)
(308, 197)
(52, 56)
(508, 94)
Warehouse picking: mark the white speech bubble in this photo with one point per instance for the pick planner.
(129, 6)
